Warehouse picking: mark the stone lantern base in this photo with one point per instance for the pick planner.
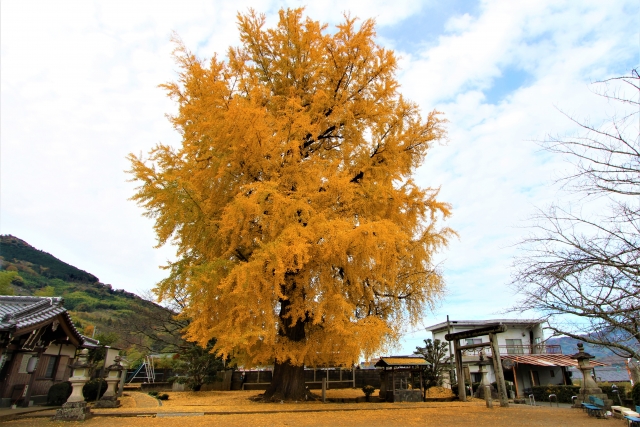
(480, 392)
(583, 397)
(73, 411)
(607, 402)
(589, 386)
(107, 402)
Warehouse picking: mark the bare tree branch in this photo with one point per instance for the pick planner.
(582, 271)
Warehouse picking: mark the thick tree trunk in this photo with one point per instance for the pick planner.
(287, 383)
(288, 380)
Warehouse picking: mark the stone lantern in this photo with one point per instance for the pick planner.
(109, 398)
(76, 409)
(481, 392)
(589, 386)
(483, 374)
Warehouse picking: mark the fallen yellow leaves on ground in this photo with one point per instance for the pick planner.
(242, 398)
(425, 414)
(127, 401)
(434, 392)
(211, 398)
(341, 393)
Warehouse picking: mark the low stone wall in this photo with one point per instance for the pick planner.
(255, 380)
(367, 377)
(158, 386)
(404, 396)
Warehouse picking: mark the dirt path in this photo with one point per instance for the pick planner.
(143, 400)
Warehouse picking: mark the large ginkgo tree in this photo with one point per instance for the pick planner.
(301, 236)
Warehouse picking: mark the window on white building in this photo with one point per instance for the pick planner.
(514, 346)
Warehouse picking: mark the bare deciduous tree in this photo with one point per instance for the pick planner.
(155, 328)
(580, 267)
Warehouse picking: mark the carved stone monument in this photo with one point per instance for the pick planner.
(76, 409)
(589, 386)
(109, 398)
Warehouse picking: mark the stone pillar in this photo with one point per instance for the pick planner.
(462, 392)
(383, 385)
(485, 380)
(109, 398)
(487, 395)
(76, 409)
(123, 377)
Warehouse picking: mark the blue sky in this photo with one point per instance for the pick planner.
(79, 92)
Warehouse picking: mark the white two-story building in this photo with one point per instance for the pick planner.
(526, 359)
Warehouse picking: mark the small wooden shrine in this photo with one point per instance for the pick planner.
(394, 370)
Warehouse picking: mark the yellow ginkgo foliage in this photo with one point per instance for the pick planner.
(302, 238)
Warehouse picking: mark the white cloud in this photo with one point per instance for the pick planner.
(79, 92)
(384, 12)
(459, 24)
(492, 170)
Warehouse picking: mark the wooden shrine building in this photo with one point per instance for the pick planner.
(400, 388)
(38, 342)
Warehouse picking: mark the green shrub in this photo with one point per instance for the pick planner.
(153, 393)
(563, 392)
(90, 389)
(84, 307)
(79, 301)
(635, 394)
(368, 390)
(454, 389)
(59, 393)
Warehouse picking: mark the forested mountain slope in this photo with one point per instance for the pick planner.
(112, 315)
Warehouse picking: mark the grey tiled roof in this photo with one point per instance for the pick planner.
(20, 312)
(610, 374)
(478, 323)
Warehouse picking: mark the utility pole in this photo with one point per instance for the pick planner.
(451, 369)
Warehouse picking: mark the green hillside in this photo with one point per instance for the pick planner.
(114, 316)
(41, 263)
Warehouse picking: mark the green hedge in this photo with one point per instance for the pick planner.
(635, 394)
(563, 392)
(607, 390)
(90, 389)
(59, 393)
